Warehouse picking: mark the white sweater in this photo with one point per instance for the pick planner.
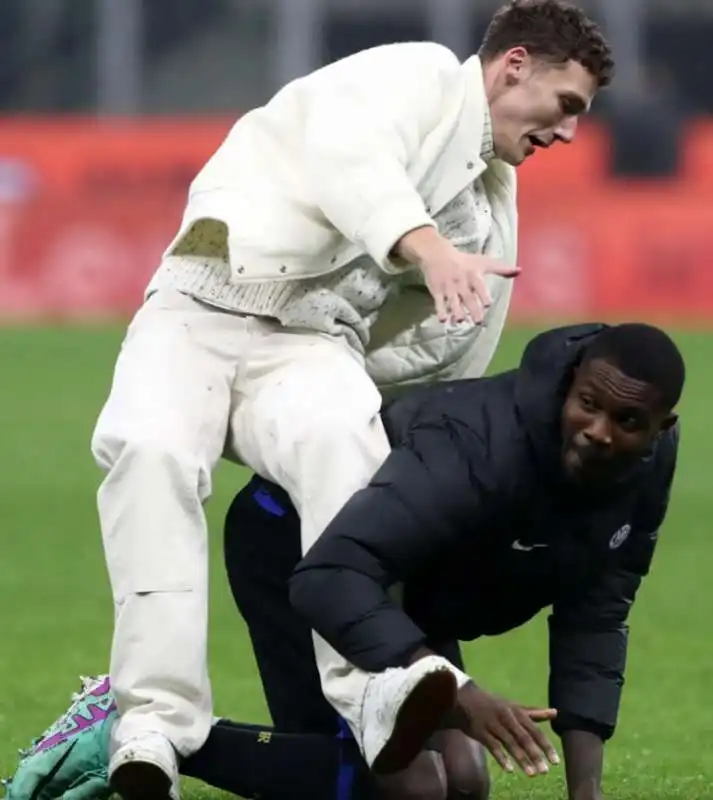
(301, 205)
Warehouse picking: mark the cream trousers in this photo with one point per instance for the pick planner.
(192, 384)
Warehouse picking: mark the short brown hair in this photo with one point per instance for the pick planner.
(553, 30)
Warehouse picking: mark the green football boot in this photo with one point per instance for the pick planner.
(70, 760)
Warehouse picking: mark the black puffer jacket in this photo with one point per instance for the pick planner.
(470, 511)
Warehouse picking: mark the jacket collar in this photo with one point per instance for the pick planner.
(464, 151)
(476, 122)
(487, 145)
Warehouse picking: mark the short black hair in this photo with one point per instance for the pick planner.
(644, 353)
(553, 30)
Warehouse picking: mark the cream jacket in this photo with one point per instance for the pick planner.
(344, 162)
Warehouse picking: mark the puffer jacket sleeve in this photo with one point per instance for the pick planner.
(589, 632)
(417, 504)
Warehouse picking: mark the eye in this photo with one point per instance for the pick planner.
(587, 402)
(630, 423)
(571, 107)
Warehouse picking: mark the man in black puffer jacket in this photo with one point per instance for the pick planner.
(544, 486)
(541, 487)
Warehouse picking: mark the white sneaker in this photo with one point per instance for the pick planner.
(402, 709)
(145, 768)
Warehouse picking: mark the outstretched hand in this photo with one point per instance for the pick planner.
(456, 280)
(509, 731)
(457, 284)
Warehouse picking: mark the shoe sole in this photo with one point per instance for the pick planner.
(417, 720)
(141, 780)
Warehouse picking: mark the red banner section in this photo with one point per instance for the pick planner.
(618, 251)
(86, 208)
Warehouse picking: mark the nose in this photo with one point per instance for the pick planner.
(599, 431)
(567, 130)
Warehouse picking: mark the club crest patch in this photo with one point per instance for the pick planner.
(618, 539)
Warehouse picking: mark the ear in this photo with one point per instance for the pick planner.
(669, 421)
(516, 57)
(515, 60)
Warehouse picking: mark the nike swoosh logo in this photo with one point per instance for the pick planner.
(525, 548)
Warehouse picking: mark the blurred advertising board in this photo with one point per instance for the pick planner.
(87, 207)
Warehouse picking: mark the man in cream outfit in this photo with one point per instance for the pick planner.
(302, 281)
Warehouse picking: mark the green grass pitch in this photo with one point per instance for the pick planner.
(56, 618)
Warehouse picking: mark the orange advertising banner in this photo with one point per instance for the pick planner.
(618, 251)
(86, 208)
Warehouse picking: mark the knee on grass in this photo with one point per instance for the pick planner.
(465, 765)
(424, 779)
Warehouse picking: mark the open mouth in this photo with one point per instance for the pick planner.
(536, 142)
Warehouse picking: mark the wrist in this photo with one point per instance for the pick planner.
(589, 793)
(422, 245)
(584, 761)
(461, 717)
(584, 788)
(463, 680)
